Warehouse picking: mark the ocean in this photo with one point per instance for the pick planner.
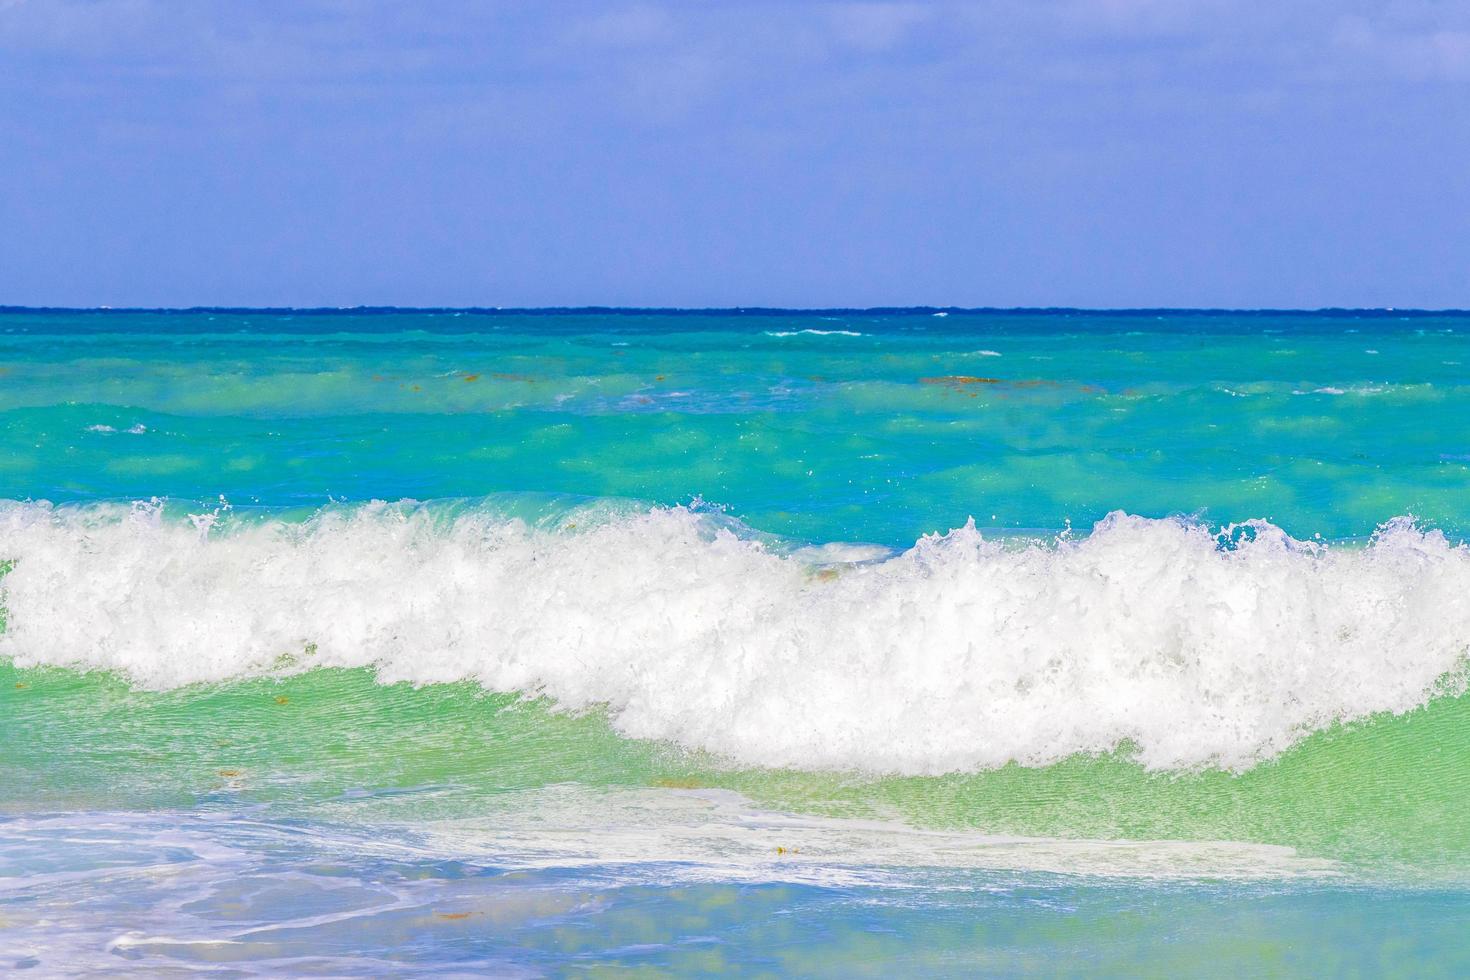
(901, 642)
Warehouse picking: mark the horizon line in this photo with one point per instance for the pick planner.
(754, 311)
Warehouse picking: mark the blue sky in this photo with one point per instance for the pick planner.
(1014, 152)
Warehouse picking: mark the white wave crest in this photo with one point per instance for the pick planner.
(960, 653)
(813, 333)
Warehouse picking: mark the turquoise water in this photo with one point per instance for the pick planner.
(820, 643)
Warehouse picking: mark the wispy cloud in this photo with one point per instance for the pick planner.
(1436, 54)
(865, 139)
(635, 26)
(876, 26)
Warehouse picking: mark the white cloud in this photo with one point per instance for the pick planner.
(629, 27)
(876, 26)
(1426, 55)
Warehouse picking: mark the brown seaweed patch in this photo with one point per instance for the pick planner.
(1049, 383)
(961, 381)
(955, 380)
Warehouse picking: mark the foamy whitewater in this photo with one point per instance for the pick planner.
(924, 643)
(1192, 647)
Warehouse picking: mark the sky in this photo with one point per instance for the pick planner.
(1099, 153)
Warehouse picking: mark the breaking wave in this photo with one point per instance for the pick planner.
(1185, 646)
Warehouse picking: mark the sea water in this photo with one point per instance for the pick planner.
(389, 642)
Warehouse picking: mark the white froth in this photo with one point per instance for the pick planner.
(813, 333)
(722, 835)
(961, 653)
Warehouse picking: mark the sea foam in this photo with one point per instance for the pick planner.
(1187, 647)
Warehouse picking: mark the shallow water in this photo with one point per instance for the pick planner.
(799, 643)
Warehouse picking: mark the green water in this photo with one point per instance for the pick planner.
(307, 801)
(820, 436)
(1383, 795)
